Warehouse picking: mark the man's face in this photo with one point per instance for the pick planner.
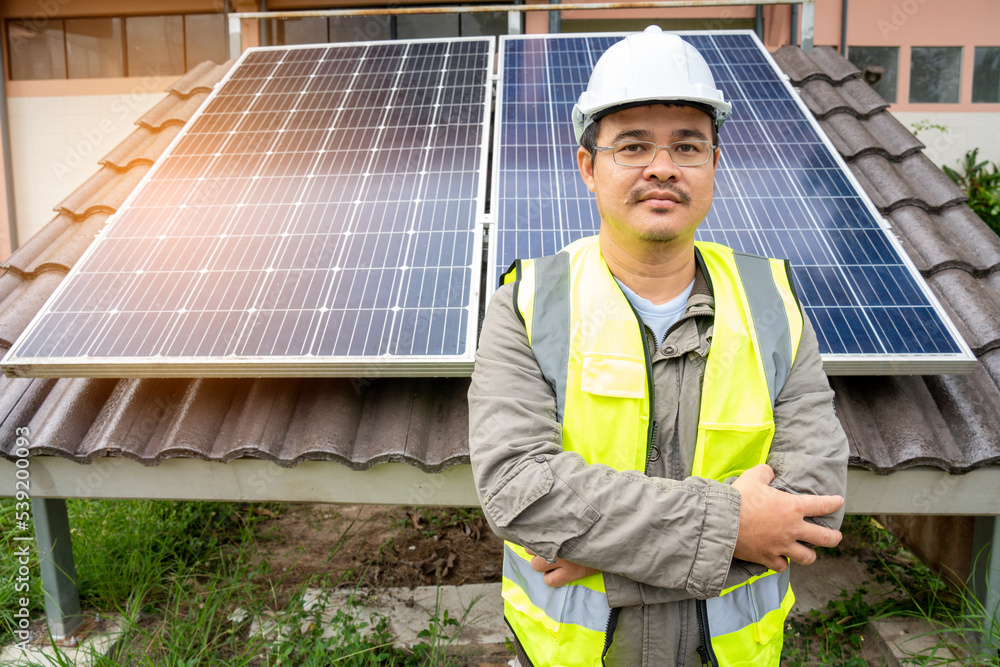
(660, 203)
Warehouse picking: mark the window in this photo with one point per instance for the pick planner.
(37, 49)
(113, 46)
(92, 48)
(319, 30)
(986, 74)
(155, 45)
(935, 74)
(204, 39)
(411, 26)
(879, 67)
(310, 30)
(360, 28)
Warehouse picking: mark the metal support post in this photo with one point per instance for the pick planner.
(555, 20)
(235, 36)
(794, 37)
(514, 23)
(808, 21)
(986, 575)
(759, 23)
(8, 161)
(55, 558)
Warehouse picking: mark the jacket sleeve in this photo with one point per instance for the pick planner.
(808, 454)
(665, 533)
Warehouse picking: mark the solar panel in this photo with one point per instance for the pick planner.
(781, 190)
(320, 214)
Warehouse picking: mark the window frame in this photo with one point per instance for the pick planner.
(123, 42)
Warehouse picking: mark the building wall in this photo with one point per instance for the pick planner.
(61, 128)
(963, 131)
(6, 247)
(57, 140)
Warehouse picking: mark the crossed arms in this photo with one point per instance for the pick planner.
(655, 539)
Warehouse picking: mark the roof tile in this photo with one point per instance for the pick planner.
(862, 97)
(24, 302)
(20, 401)
(892, 136)
(974, 310)
(39, 244)
(799, 67)
(142, 146)
(850, 137)
(105, 191)
(955, 238)
(68, 248)
(823, 62)
(854, 97)
(837, 68)
(914, 181)
(200, 79)
(171, 111)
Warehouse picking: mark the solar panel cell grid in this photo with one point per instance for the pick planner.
(325, 201)
(780, 192)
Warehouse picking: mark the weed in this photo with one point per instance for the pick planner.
(924, 124)
(431, 521)
(834, 636)
(981, 184)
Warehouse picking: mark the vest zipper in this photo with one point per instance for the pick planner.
(650, 435)
(705, 639)
(652, 441)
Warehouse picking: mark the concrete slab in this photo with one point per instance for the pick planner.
(898, 641)
(478, 609)
(817, 584)
(96, 640)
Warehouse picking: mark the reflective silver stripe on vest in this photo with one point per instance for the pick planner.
(748, 604)
(770, 319)
(578, 605)
(550, 325)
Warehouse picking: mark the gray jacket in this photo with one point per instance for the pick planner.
(662, 539)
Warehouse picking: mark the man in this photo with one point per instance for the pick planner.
(628, 391)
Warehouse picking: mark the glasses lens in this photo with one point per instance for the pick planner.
(690, 153)
(634, 153)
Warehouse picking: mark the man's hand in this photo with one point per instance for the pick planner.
(561, 572)
(772, 522)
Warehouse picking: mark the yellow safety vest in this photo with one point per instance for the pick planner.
(592, 348)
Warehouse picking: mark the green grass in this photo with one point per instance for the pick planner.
(177, 572)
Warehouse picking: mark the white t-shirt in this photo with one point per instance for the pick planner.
(658, 318)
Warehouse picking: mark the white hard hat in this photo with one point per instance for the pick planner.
(649, 66)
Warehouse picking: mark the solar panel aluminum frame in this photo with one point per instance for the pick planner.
(960, 363)
(15, 365)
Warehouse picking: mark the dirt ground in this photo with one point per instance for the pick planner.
(378, 546)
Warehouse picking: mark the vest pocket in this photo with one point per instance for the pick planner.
(617, 376)
(728, 450)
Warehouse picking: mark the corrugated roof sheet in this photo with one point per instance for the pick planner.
(952, 422)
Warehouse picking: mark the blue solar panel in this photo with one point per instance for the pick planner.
(320, 214)
(781, 191)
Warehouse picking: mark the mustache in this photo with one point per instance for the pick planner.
(637, 195)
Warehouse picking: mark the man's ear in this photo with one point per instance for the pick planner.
(586, 165)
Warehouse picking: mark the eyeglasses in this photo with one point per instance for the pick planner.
(642, 153)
